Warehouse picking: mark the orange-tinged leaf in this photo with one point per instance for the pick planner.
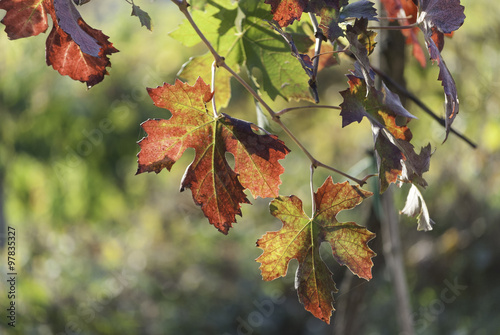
(216, 187)
(286, 11)
(300, 238)
(348, 240)
(66, 56)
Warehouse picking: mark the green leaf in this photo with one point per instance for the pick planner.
(239, 34)
(143, 16)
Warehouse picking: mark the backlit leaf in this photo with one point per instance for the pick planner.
(66, 57)
(286, 11)
(415, 206)
(215, 186)
(300, 238)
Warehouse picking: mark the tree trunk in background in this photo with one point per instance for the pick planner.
(392, 63)
(393, 254)
(347, 320)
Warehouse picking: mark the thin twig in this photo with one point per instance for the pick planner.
(328, 53)
(289, 109)
(183, 5)
(420, 104)
(308, 68)
(318, 33)
(394, 18)
(410, 26)
(220, 62)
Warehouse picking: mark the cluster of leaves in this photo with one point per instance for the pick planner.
(265, 40)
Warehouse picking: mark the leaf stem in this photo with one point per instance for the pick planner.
(311, 184)
(394, 18)
(327, 53)
(214, 107)
(220, 62)
(289, 109)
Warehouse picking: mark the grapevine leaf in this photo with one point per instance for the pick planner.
(143, 16)
(67, 18)
(415, 205)
(437, 17)
(300, 238)
(24, 18)
(65, 56)
(73, 48)
(397, 158)
(215, 186)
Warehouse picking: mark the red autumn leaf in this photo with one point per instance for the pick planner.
(73, 48)
(25, 18)
(300, 238)
(66, 56)
(216, 187)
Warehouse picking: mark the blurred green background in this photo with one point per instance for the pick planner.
(102, 251)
